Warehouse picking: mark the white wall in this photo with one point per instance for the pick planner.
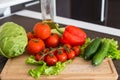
(2, 10)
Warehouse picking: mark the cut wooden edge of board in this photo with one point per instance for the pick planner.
(3, 72)
(114, 69)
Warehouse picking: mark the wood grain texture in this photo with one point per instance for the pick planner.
(79, 69)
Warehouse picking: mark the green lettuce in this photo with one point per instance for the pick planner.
(113, 51)
(13, 39)
(31, 60)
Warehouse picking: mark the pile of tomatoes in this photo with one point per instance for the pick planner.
(47, 46)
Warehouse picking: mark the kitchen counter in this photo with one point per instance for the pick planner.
(27, 19)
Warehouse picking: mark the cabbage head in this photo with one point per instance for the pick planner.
(13, 40)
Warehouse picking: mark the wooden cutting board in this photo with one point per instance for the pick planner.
(79, 69)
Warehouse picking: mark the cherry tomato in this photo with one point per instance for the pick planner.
(61, 56)
(30, 35)
(42, 30)
(35, 46)
(70, 54)
(51, 59)
(52, 40)
(77, 50)
(38, 57)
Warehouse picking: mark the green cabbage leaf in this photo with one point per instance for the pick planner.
(13, 39)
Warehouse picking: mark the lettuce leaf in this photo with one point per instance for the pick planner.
(31, 60)
(37, 72)
(113, 51)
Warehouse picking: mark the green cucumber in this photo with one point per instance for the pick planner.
(101, 53)
(92, 48)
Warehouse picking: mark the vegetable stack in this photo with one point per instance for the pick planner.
(53, 49)
(44, 44)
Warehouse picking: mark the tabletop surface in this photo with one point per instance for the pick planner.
(28, 24)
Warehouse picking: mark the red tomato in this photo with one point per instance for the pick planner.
(42, 30)
(30, 35)
(77, 50)
(35, 46)
(38, 57)
(51, 59)
(52, 40)
(61, 56)
(70, 54)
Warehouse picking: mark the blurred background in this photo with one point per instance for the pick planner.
(103, 12)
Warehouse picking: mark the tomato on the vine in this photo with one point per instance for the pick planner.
(35, 46)
(61, 55)
(42, 30)
(39, 57)
(51, 59)
(52, 40)
(70, 54)
(77, 50)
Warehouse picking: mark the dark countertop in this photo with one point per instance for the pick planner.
(28, 24)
